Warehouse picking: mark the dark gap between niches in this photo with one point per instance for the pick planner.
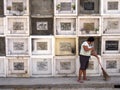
(116, 86)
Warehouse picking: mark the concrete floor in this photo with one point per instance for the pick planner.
(59, 83)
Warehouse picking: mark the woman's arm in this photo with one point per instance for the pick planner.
(87, 49)
(94, 53)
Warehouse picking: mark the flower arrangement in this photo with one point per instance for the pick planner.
(58, 7)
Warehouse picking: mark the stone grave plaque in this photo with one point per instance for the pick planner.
(111, 64)
(18, 26)
(65, 65)
(42, 46)
(88, 27)
(88, 5)
(112, 5)
(65, 6)
(111, 45)
(17, 6)
(65, 46)
(42, 25)
(65, 26)
(113, 24)
(18, 65)
(42, 66)
(18, 46)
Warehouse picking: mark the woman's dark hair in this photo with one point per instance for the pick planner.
(90, 39)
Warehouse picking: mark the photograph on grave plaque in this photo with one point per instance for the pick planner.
(65, 46)
(42, 46)
(18, 26)
(111, 64)
(18, 46)
(88, 5)
(65, 6)
(113, 24)
(42, 66)
(42, 25)
(112, 5)
(65, 65)
(111, 45)
(65, 26)
(18, 65)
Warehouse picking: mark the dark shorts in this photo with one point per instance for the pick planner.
(84, 61)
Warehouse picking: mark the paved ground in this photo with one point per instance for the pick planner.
(59, 82)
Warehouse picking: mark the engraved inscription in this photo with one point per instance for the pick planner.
(88, 5)
(112, 5)
(65, 6)
(18, 45)
(42, 25)
(113, 24)
(111, 64)
(65, 26)
(65, 65)
(65, 46)
(18, 65)
(18, 26)
(42, 45)
(42, 66)
(17, 6)
(111, 45)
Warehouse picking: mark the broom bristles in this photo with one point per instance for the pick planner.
(105, 75)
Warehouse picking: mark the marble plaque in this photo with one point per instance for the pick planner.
(18, 26)
(65, 65)
(42, 25)
(88, 5)
(65, 46)
(42, 46)
(111, 45)
(65, 26)
(18, 65)
(89, 26)
(17, 6)
(113, 24)
(112, 5)
(18, 46)
(42, 66)
(111, 64)
(65, 6)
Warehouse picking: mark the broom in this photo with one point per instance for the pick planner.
(105, 75)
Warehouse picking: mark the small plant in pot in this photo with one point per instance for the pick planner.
(73, 6)
(96, 30)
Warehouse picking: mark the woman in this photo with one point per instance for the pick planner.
(87, 49)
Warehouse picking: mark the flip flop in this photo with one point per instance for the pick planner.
(80, 81)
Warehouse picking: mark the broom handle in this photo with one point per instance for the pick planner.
(99, 62)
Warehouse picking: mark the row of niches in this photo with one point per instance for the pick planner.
(59, 7)
(66, 46)
(81, 26)
(55, 66)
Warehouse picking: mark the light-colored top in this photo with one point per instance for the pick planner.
(83, 52)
